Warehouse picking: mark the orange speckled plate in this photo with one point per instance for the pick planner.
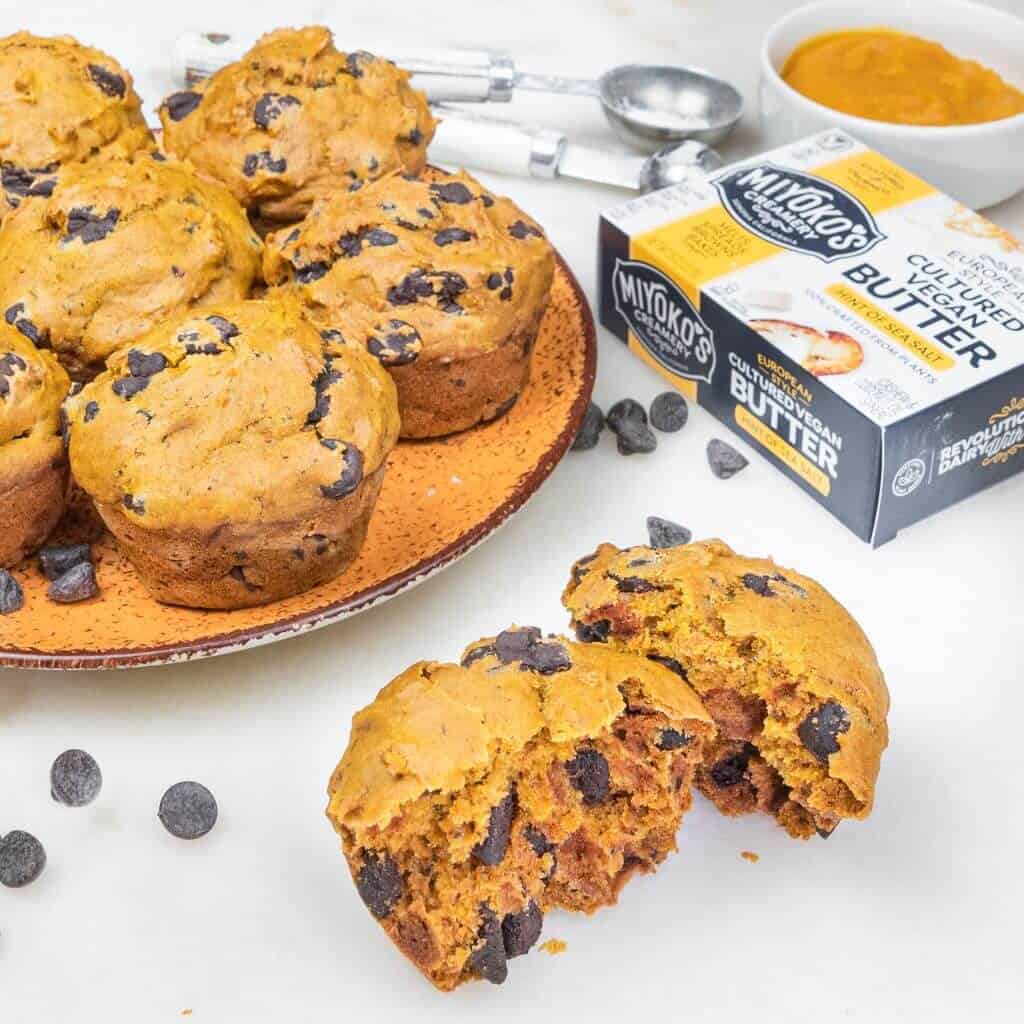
(439, 500)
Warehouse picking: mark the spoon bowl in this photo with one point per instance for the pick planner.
(677, 163)
(650, 106)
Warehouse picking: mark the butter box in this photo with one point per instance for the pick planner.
(859, 328)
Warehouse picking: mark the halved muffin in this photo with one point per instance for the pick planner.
(234, 459)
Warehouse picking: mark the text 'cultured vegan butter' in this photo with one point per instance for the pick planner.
(862, 330)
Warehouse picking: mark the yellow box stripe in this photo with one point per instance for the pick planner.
(878, 183)
(784, 451)
(929, 354)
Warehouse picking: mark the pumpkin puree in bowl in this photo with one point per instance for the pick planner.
(884, 75)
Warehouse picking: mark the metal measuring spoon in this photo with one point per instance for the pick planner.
(648, 106)
(469, 140)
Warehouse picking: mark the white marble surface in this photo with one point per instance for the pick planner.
(910, 916)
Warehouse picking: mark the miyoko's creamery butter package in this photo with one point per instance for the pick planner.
(862, 330)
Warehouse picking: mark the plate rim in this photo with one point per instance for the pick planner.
(307, 622)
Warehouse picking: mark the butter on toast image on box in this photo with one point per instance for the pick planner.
(862, 330)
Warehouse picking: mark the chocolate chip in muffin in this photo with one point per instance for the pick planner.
(270, 106)
(492, 848)
(134, 504)
(180, 104)
(731, 770)
(145, 364)
(351, 474)
(452, 192)
(88, 226)
(91, 411)
(379, 883)
(55, 561)
(818, 732)
(311, 271)
(21, 182)
(521, 230)
(413, 287)
(593, 632)
(75, 778)
(225, 328)
(446, 236)
(109, 83)
(356, 61)
(663, 533)
(12, 597)
(632, 584)
(669, 412)
(724, 460)
(21, 323)
(22, 859)
(237, 572)
(188, 810)
(520, 931)
(380, 237)
(525, 647)
(488, 959)
(263, 159)
(77, 584)
(494, 281)
(672, 739)
(590, 429)
(396, 343)
(128, 387)
(588, 774)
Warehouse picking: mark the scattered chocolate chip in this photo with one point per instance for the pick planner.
(663, 533)
(492, 849)
(588, 773)
(520, 931)
(593, 632)
(525, 647)
(623, 410)
(669, 663)
(22, 859)
(396, 343)
(632, 584)
(351, 474)
(520, 229)
(730, 771)
(225, 328)
(75, 778)
(488, 959)
(188, 810)
(380, 237)
(311, 272)
(12, 597)
(77, 584)
(724, 460)
(672, 739)
(590, 429)
(818, 732)
(494, 281)
(108, 82)
(452, 192)
(88, 226)
(265, 160)
(669, 412)
(91, 411)
(379, 883)
(270, 106)
(55, 561)
(632, 438)
(180, 104)
(448, 235)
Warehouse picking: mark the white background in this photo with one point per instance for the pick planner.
(912, 915)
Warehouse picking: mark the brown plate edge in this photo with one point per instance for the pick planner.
(227, 643)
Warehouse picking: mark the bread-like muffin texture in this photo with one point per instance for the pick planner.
(443, 282)
(235, 461)
(538, 773)
(61, 103)
(117, 248)
(296, 120)
(33, 465)
(787, 674)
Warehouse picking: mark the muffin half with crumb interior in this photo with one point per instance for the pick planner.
(235, 461)
(443, 282)
(33, 466)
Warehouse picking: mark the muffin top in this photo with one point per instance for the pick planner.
(230, 414)
(745, 625)
(437, 727)
(117, 247)
(295, 119)
(60, 103)
(417, 269)
(32, 387)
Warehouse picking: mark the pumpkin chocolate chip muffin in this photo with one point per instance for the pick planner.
(444, 283)
(295, 120)
(234, 460)
(539, 773)
(116, 248)
(60, 103)
(33, 466)
(787, 674)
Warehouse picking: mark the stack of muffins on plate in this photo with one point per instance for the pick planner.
(235, 400)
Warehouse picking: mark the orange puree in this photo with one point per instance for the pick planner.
(884, 75)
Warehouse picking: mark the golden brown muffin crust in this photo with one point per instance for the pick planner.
(117, 248)
(295, 120)
(61, 103)
(779, 662)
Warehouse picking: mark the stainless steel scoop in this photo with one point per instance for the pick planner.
(647, 105)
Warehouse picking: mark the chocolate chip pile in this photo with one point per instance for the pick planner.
(187, 810)
(71, 574)
(631, 424)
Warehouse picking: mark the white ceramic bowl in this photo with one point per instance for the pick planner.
(980, 164)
